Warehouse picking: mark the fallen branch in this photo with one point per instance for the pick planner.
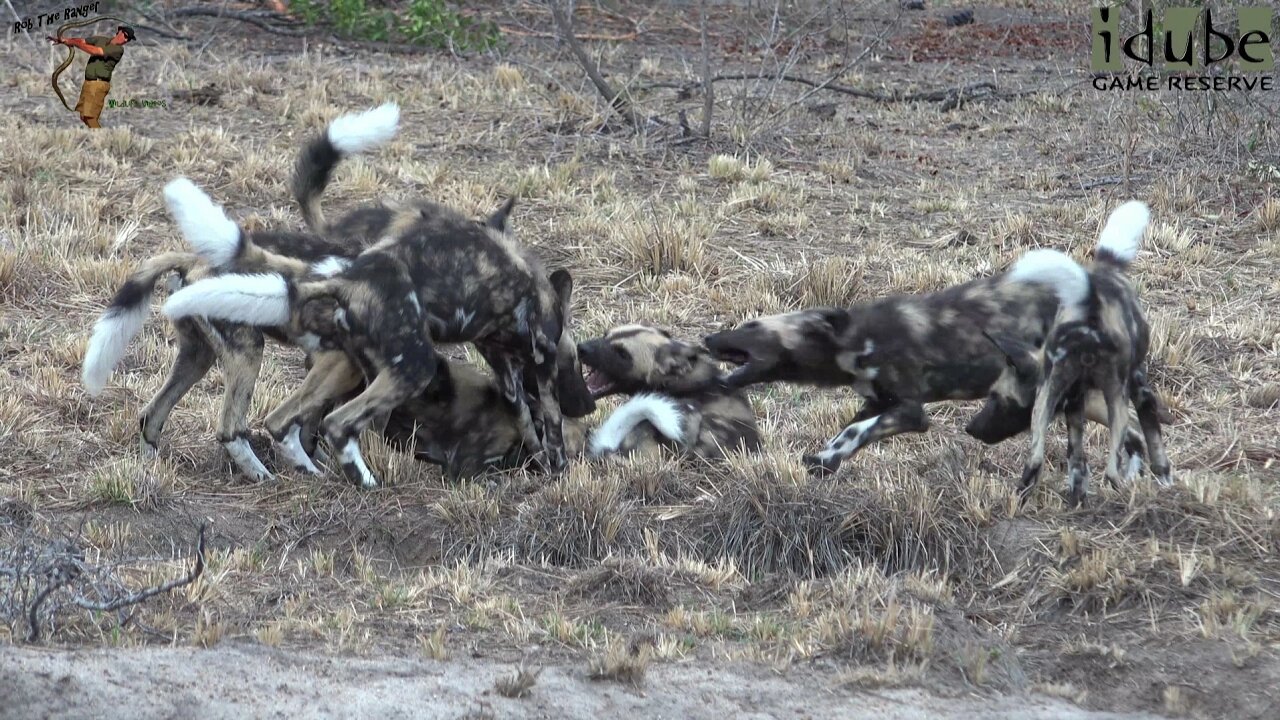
(253, 18)
(564, 26)
(69, 569)
(950, 97)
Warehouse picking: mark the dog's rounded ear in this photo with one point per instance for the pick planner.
(1018, 354)
(837, 319)
(500, 219)
(562, 283)
(676, 359)
(322, 315)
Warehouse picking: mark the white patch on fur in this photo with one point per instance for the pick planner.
(463, 318)
(173, 283)
(309, 342)
(1055, 269)
(340, 318)
(291, 450)
(659, 410)
(1123, 231)
(330, 266)
(357, 132)
(260, 300)
(849, 440)
(351, 454)
(1133, 467)
(413, 300)
(206, 228)
(111, 337)
(242, 455)
(397, 359)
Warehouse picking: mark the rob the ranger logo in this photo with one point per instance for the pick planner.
(1187, 45)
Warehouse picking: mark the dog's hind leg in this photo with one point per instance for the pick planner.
(1048, 399)
(899, 417)
(1148, 415)
(332, 374)
(342, 427)
(241, 356)
(1077, 465)
(1117, 392)
(195, 358)
(1095, 409)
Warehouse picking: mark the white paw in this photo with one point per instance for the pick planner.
(291, 450)
(244, 458)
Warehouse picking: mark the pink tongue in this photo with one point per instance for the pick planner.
(596, 382)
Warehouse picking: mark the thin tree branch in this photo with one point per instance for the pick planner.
(564, 26)
(252, 18)
(708, 87)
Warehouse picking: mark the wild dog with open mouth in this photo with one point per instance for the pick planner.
(1098, 343)
(898, 353)
(219, 246)
(679, 399)
(437, 277)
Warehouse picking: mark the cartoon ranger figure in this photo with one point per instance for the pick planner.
(104, 52)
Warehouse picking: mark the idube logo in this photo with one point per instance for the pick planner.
(1184, 49)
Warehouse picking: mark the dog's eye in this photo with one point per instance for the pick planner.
(623, 353)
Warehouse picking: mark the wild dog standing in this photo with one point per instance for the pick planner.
(1098, 342)
(679, 397)
(219, 245)
(898, 353)
(436, 277)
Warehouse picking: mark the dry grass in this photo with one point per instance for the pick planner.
(910, 567)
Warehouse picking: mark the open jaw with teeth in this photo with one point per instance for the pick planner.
(741, 358)
(598, 384)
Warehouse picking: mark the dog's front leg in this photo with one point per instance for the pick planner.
(342, 427)
(899, 417)
(549, 409)
(332, 375)
(241, 356)
(510, 376)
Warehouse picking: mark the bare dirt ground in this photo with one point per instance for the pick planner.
(909, 583)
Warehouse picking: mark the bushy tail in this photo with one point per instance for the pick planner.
(124, 317)
(204, 225)
(260, 300)
(1055, 269)
(660, 411)
(1118, 242)
(348, 134)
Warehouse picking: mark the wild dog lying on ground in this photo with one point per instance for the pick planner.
(679, 401)
(1099, 342)
(898, 353)
(217, 246)
(436, 277)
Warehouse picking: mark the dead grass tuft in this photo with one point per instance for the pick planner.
(622, 663)
(518, 684)
(581, 517)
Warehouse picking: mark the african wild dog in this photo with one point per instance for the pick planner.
(237, 347)
(898, 353)
(437, 277)
(679, 398)
(1099, 342)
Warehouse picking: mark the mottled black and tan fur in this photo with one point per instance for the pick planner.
(1098, 343)
(678, 397)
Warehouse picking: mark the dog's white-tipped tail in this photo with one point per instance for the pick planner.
(111, 336)
(357, 132)
(660, 411)
(1119, 239)
(213, 236)
(259, 300)
(1055, 269)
